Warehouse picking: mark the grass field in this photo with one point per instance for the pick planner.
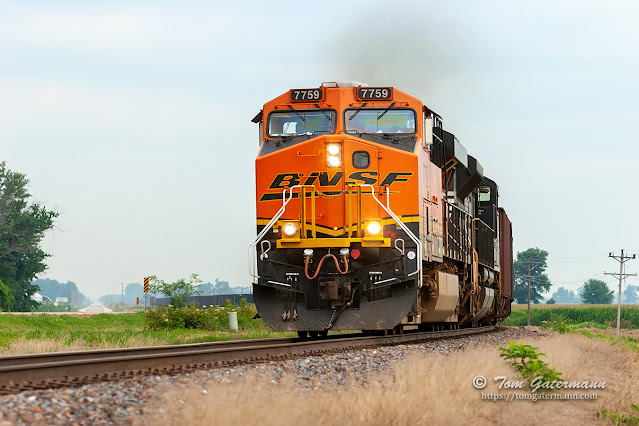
(597, 314)
(20, 334)
(594, 321)
(36, 333)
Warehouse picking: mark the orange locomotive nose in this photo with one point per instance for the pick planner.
(331, 165)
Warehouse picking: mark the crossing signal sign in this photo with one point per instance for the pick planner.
(146, 284)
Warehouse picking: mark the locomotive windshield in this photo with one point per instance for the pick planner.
(383, 120)
(291, 123)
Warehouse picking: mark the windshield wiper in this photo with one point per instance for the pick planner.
(327, 115)
(385, 111)
(297, 113)
(357, 112)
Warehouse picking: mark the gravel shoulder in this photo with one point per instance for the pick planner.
(129, 401)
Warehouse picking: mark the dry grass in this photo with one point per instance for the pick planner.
(612, 332)
(37, 346)
(423, 390)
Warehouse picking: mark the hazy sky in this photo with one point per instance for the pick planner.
(132, 118)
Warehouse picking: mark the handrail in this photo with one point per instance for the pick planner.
(280, 212)
(404, 228)
(285, 201)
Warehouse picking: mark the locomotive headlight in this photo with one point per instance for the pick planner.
(334, 155)
(334, 161)
(374, 231)
(373, 228)
(289, 229)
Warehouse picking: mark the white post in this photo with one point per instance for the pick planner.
(233, 321)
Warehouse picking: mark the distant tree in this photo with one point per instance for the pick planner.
(538, 285)
(550, 301)
(110, 298)
(596, 292)
(178, 291)
(6, 298)
(76, 298)
(132, 291)
(23, 224)
(631, 294)
(206, 289)
(53, 288)
(222, 287)
(563, 295)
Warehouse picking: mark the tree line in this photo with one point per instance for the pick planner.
(52, 289)
(23, 224)
(531, 265)
(134, 290)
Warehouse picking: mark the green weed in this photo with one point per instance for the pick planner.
(525, 359)
(620, 419)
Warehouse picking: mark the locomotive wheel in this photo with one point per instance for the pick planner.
(302, 334)
(323, 333)
(312, 333)
(399, 329)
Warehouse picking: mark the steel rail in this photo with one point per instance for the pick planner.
(19, 372)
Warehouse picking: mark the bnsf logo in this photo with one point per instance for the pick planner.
(285, 180)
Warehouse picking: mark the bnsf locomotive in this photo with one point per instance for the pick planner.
(371, 216)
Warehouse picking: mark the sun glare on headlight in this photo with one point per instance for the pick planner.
(289, 229)
(333, 149)
(334, 161)
(374, 228)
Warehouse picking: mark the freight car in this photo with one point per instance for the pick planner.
(371, 216)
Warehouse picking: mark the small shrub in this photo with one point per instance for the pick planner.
(212, 318)
(178, 291)
(623, 324)
(620, 419)
(525, 359)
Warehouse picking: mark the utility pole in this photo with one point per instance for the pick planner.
(528, 276)
(621, 259)
(122, 295)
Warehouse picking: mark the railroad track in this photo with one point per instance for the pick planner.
(41, 371)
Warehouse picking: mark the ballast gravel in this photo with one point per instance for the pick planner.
(127, 401)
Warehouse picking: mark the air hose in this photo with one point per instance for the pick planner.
(319, 266)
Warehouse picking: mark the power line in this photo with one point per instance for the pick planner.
(579, 281)
(578, 262)
(529, 263)
(621, 259)
(590, 256)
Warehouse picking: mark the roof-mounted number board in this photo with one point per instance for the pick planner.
(374, 93)
(307, 95)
